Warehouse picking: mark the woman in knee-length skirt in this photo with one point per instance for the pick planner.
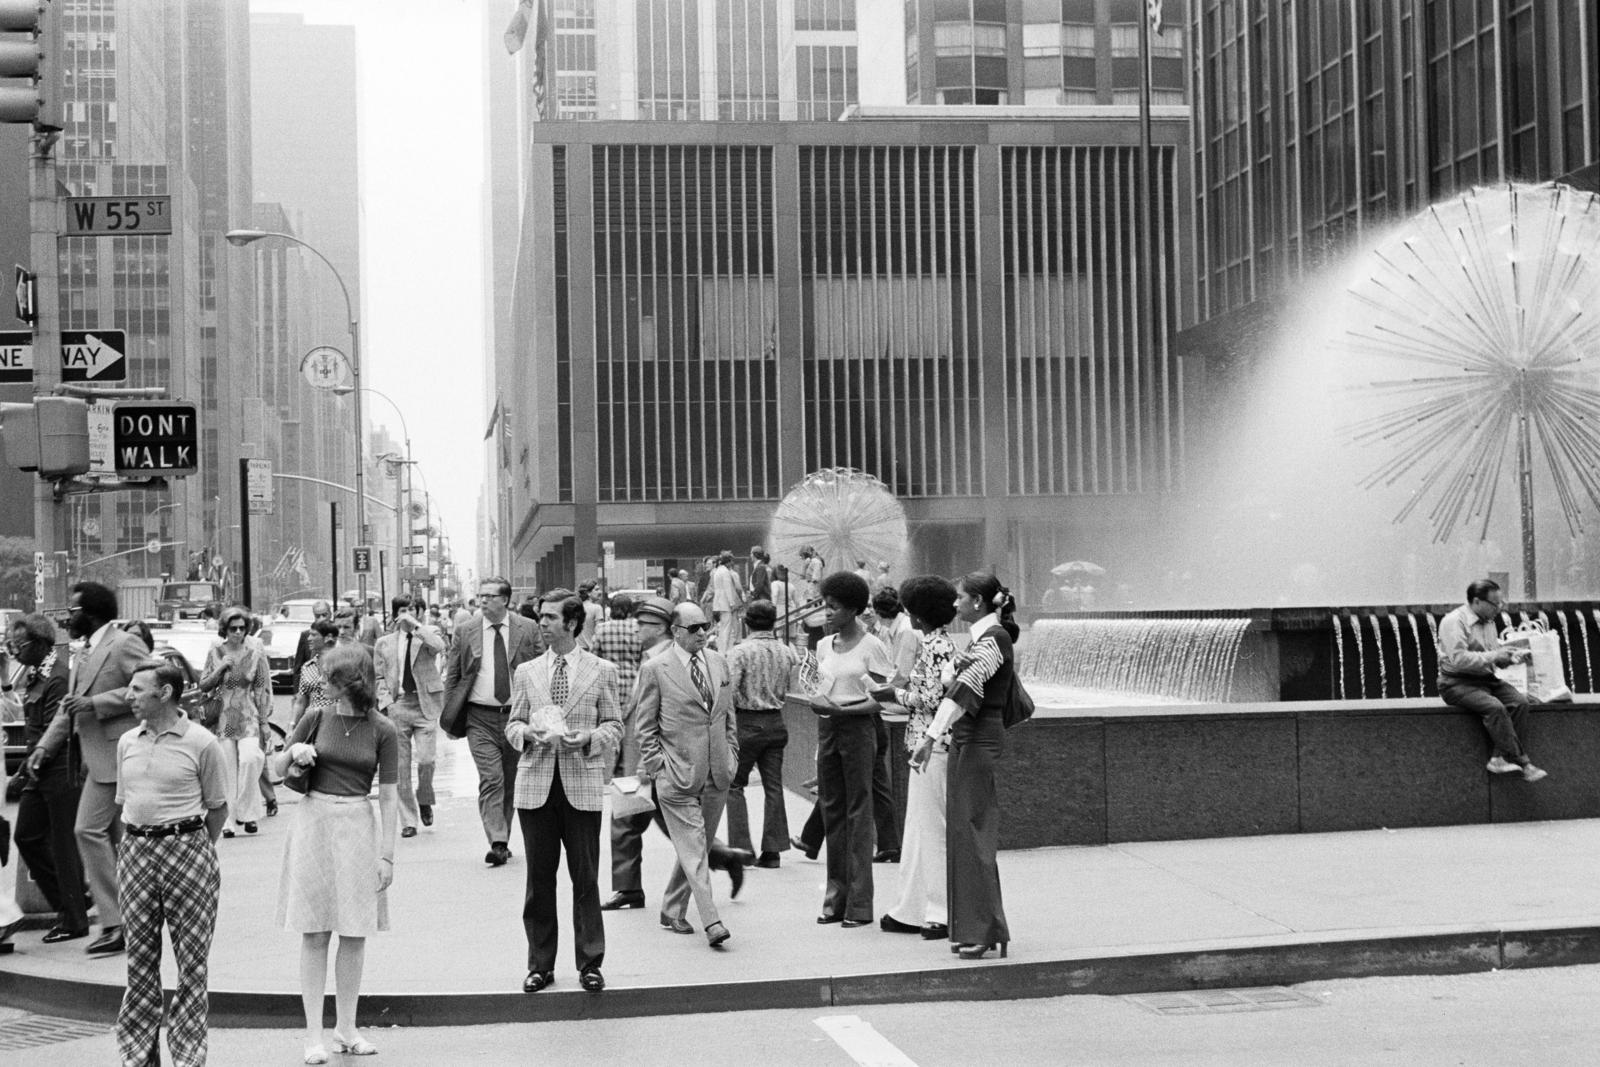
(339, 858)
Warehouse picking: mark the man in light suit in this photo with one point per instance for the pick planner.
(489, 647)
(727, 598)
(96, 709)
(689, 746)
(561, 787)
(411, 692)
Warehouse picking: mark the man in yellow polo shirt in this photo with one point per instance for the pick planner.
(174, 805)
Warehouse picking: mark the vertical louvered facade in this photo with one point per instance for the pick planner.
(955, 308)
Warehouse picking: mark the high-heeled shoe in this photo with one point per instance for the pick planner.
(977, 952)
(316, 1054)
(359, 1047)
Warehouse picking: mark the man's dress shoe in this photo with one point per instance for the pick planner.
(805, 850)
(408, 831)
(624, 899)
(498, 854)
(890, 925)
(426, 811)
(887, 855)
(769, 860)
(677, 926)
(109, 942)
(716, 934)
(592, 980)
(537, 980)
(58, 934)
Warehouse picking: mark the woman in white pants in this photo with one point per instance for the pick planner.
(237, 673)
(922, 907)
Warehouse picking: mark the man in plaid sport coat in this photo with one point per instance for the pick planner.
(561, 784)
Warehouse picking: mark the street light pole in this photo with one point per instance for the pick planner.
(240, 238)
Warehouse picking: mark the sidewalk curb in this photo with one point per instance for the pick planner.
(1135, 971)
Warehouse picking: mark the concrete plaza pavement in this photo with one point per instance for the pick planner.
(1107, 919)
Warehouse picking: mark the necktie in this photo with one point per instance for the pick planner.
(502, 667)
(558, 683)
(699, 678)
(408, 684)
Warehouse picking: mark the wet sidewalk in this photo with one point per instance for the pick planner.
(1117, 918)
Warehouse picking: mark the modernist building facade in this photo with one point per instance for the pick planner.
(1315, 121)
(1040, 52)
(700, 60)
(708, 312)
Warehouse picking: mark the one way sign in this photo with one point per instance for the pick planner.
(86, 356)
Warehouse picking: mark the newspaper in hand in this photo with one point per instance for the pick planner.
(549, 720)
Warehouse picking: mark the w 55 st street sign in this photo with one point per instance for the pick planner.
(117, 216)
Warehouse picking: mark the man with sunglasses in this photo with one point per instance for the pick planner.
(97, 711)
(689, 746)
(489, 648)
(50, 799)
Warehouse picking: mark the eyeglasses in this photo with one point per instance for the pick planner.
(696, 627)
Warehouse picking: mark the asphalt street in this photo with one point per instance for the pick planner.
(1544, 1017)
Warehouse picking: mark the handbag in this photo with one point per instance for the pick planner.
(297, 776)
(1019, 705)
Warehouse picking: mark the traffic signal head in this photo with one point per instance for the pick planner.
(19, 425)
(30, 62)
(50, 436)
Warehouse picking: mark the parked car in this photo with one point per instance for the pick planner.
(187, 600)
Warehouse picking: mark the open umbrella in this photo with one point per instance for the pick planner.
(1078, 568)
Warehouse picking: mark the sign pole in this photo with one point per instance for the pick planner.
(50, 530)
(333, 548)
(244, 532)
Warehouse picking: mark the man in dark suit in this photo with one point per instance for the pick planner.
(689, 746)
(96, 709)
(561, 786)
(477, 683)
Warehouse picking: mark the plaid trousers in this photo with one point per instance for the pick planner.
(173, 880)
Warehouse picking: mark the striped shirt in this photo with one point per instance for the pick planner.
(760, 669)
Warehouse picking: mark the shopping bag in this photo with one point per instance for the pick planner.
(629, 796)
(1542, 674)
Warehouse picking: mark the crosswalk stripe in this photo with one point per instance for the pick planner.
(862, 1043)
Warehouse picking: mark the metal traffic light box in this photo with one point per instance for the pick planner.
(30, 62)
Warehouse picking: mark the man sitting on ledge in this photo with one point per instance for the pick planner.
(1469, 652)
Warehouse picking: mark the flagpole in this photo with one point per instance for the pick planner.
(1147, 346)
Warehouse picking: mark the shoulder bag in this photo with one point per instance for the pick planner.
(298, 776)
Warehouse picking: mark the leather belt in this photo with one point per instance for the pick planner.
(182, 826)
(501, 708)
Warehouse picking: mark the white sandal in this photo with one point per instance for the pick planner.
(316, 1054)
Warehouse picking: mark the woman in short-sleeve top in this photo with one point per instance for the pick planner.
(339, 858)
(849, 661)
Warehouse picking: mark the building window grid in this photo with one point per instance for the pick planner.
(747, 62)
(888, 247)
(685, 232)
(1088, 410)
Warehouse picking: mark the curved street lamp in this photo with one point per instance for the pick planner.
(241, 238)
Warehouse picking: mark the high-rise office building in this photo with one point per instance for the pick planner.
(307, 182)
(156, 103)
(695, 60)
(1040, 52)
(955, 307)
(1316, 121)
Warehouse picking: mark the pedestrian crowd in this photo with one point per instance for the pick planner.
(656, 707)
